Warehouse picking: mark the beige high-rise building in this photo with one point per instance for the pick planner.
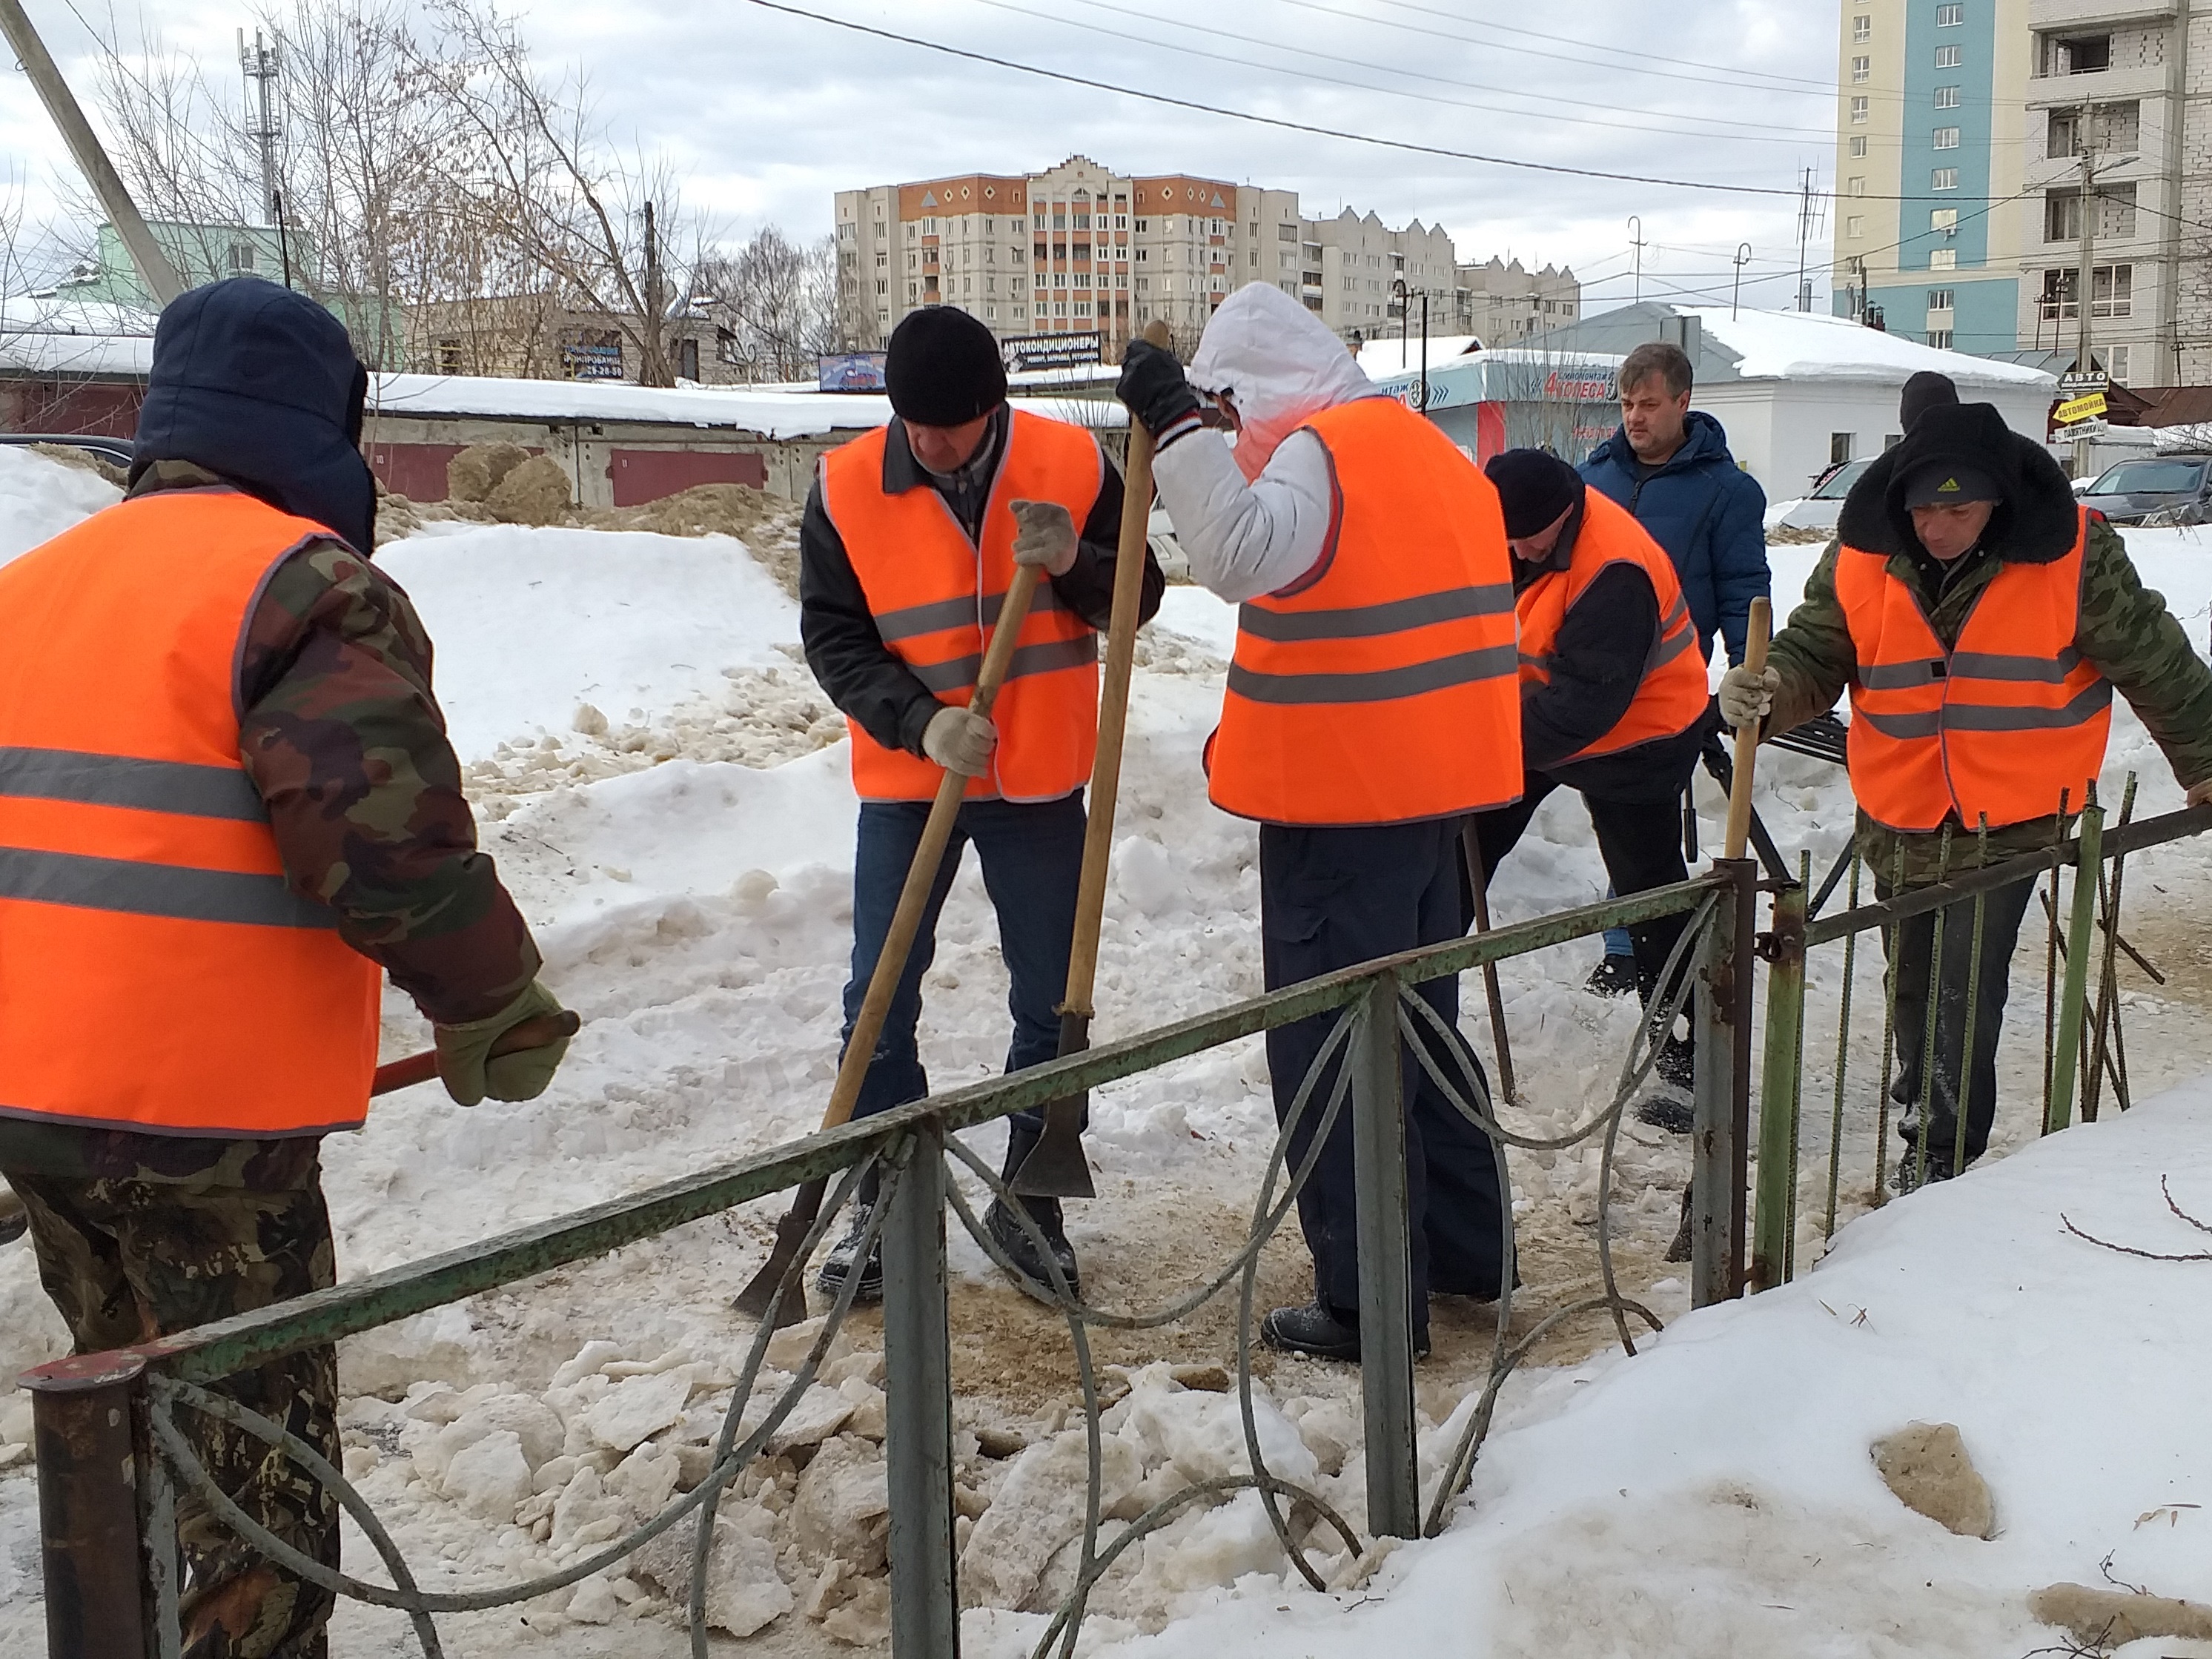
(1501, 302)
(1079, 249)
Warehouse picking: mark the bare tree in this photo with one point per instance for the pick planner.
(780, 298)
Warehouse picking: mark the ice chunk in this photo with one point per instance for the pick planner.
(842, 1508)
(489, 1477)
(1039, 1507)
(630, 1412)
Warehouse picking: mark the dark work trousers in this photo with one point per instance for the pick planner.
(1329, 899)
(1641, 842)
(1033, 858)
(1909, 962)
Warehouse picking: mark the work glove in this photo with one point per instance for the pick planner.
(1045, 535)
(469, 1069)
(1747, 694)
(960, 740)
(1154, 387)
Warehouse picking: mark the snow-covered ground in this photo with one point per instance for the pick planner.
(664, 787)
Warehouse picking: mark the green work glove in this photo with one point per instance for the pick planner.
(471, 1071)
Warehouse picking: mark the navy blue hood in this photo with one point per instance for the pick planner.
(260, 384)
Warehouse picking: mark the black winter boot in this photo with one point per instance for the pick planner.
(1009, 1234)
(830, 1281)
(1319, 1332)
(1613, 976)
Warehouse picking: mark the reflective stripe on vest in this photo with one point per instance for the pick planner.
(144, 905)
(2001, 726)
(1673, 695)
(934, 594)
(1381, 688)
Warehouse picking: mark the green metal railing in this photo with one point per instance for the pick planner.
(113, 1459)
(2084, 1047)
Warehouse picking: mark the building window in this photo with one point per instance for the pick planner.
(1862, 69)
(1943, 259)
(1945, 138)
(1949, 56)
(449, 356)
(1947, 98)
(1862, 28)
(242, 256)
(2116, 363)
(2116, 213)
(1940, 338)
(1859, 148)
(1943, 178)
(1854, 226)
(1839, 447)
(1950, 17)
(1855, 186)
(2111, 291)
(1945, 220)
(1286, 233)
(687, 360)
(1858, 111)
(1939, 299)
(2076, 54)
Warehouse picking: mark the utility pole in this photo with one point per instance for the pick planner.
(1636, 241)
(1735, 295)
(654, 370)
(259, 61)
(153, 267)
(1804, 234)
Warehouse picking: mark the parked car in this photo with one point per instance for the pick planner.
(1820, 508)
(114, 450)
(2173, 488)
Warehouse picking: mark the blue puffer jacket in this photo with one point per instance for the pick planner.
(1707, 514)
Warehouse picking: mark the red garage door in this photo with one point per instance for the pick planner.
(639, 476)
(415, 470)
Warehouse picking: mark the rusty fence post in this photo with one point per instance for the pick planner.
(1720, 1150)
(88, 1415)
(1775, 1219)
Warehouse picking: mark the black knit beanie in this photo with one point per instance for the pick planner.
(1926, 390)
(1534, 486)
(943, 368)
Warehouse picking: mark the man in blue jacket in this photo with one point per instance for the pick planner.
(1671, 468)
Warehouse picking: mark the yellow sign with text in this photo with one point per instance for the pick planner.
(2080, 409)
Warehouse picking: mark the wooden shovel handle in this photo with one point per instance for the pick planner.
(530, 1034)
(1747, 738)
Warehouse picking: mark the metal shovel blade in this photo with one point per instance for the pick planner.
(759, 1291)
(1056, 1167)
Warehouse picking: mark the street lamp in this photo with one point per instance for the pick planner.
(1404, 294)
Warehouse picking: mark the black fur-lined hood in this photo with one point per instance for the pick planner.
(2036, 522)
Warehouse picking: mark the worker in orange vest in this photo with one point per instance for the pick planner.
(1981, 620)
(1370, 707)
(1614, 703)
(228, 808)
(910, 538)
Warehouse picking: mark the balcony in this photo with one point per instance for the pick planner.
(2079, 14)
(2097, 87)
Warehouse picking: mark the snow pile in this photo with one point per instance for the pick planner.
(1717, 1493)
(40, 498)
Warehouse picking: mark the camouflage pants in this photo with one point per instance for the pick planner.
(131, 1256)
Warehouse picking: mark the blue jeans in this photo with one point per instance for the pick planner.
(1032, 862)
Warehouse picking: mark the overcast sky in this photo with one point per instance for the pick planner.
(768, 113)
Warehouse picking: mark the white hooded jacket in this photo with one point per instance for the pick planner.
(1254, 518)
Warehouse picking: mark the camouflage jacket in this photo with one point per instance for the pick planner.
(344, 740)
(2125, 631)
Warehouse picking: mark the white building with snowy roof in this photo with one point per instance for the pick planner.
(1799, 391)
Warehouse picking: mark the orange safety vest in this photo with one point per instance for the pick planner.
(2001, 725)
(933, 593)
(1673, 696)
(156, 971)
(1380, 687)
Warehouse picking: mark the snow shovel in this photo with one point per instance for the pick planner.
(1479, 885)
(759, 1291)
(530, 1034)
(1056, 1167)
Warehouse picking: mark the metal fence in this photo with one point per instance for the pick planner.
(113, 1463)
(2084, 1047)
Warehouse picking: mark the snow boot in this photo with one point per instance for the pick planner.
(1008, 1233)
(1613, 976)
(830, 1281)
(1319, 1332)
(1909, 1178)
(1670, 1108)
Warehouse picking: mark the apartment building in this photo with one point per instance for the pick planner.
(1968, 132)
(1501, 302)
(1079, 249)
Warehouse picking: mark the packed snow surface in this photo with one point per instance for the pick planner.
(40, 498)
(665, 790)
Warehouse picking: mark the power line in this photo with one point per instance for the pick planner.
(1280, 123)
(1765, 132)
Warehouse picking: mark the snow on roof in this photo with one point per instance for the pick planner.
(1806, 344)
(773, 412)
(41, 351)
(1382, 359)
